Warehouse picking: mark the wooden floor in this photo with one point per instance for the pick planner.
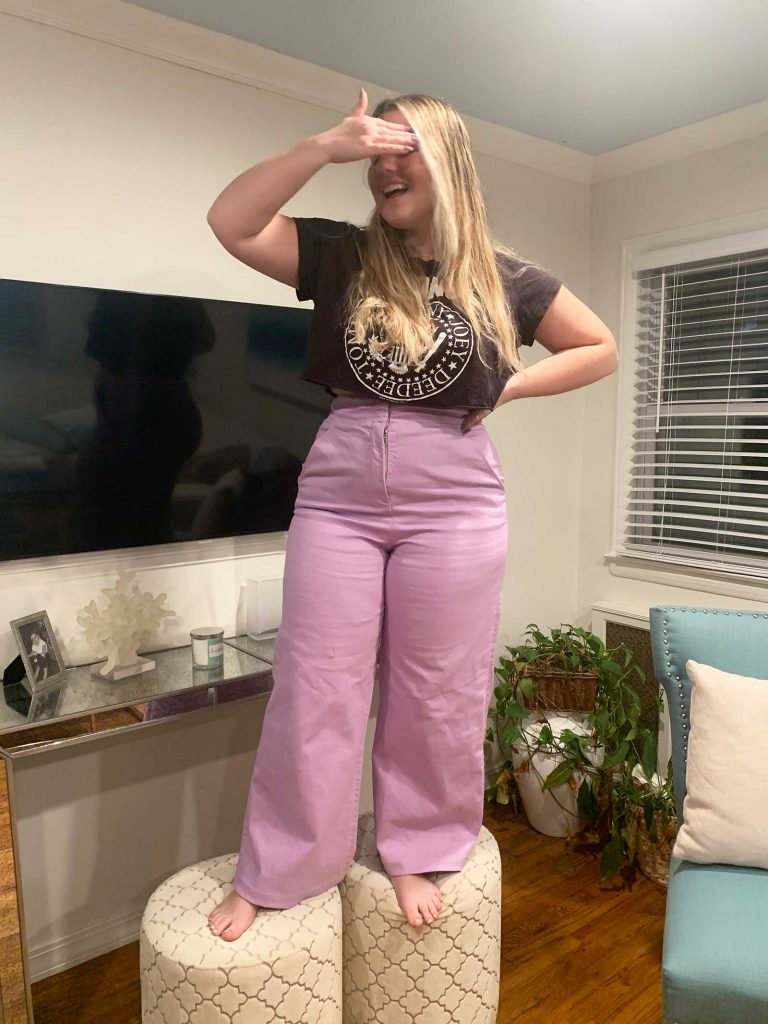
(574, 950)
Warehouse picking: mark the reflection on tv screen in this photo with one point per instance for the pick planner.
(129, 419)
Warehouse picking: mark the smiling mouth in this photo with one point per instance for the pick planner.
(393, 193)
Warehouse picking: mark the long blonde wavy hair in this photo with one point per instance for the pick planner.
(388, 299)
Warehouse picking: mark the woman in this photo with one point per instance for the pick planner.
(399, 535)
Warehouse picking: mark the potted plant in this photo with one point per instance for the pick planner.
(554, 759)
(562, 668)
(636, 818)
(550, 765)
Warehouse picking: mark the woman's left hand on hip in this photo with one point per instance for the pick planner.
(474, 417)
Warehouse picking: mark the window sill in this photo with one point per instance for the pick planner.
(705, 581)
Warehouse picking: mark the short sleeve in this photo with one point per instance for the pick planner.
(320, 241)
(530, 291)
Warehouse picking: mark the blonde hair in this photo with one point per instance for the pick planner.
(387, 298)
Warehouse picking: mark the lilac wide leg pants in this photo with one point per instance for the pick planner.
(399, 539)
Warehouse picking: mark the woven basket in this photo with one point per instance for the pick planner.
(653, 858)
(558, 690)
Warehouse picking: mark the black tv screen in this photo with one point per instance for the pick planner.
(130, 419)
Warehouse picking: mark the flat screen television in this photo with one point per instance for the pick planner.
(131, 419)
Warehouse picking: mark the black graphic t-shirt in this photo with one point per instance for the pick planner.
(451, 375)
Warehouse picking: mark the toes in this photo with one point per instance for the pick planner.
(420, 916)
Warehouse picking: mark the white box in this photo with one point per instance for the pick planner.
(263, 607)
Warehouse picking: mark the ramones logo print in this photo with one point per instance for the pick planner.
(389, 375)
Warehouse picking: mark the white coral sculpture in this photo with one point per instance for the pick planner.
(128, 621)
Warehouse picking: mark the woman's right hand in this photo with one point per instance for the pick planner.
(360, 136)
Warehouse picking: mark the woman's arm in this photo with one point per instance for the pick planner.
(583, 350)
(245, 217)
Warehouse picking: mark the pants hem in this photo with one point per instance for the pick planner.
(423, 871)
(286, 903)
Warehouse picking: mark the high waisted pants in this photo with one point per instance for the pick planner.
(399, 538)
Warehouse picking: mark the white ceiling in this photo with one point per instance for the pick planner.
(592, 75)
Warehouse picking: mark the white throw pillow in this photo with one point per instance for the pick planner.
(725, 812)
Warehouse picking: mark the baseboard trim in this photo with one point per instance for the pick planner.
(84, 944)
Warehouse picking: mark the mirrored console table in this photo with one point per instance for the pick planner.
(80, 707)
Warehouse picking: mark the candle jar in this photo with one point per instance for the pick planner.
(207, 647)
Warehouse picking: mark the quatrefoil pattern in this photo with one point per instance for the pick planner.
(284, 969)
(446, 972)
(347, 955)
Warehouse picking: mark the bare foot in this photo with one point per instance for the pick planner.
(420, 900)
(232, 917)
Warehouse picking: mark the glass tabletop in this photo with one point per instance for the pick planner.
(263, 647)
(172, 686)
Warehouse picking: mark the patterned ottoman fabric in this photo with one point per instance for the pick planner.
(446, 972)
(285, 968)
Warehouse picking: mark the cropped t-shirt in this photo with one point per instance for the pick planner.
(452, 374)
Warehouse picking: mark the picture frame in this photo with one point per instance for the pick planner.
(38, 651)
(45, 705)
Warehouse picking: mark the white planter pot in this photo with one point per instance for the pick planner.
(550, 811)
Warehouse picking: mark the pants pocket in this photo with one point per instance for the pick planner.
(489, 454)
(314, 446)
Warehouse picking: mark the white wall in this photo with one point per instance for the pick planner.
(725, 181)
(111, 161)
(114, 159)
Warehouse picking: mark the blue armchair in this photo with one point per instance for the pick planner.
(715, 960)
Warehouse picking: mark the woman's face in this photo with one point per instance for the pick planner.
(411, 209)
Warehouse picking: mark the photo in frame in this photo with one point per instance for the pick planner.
(38, 650)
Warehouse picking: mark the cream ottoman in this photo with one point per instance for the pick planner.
(446, 972)
(285, 968)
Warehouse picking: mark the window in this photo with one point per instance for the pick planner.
(696, 482)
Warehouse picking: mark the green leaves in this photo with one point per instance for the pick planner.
(611, 859)
(559, 775)
(586, 804)
(584, 749)
(648, 758)
(511, 735)
(600, 721)
(525, 685)
(545, 735)
(515, 710)
(577, 745)
(617, 756)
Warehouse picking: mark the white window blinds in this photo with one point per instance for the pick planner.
(698, 473)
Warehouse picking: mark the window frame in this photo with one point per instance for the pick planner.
(726, 237)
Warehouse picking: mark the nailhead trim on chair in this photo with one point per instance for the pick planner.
(685, 724)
